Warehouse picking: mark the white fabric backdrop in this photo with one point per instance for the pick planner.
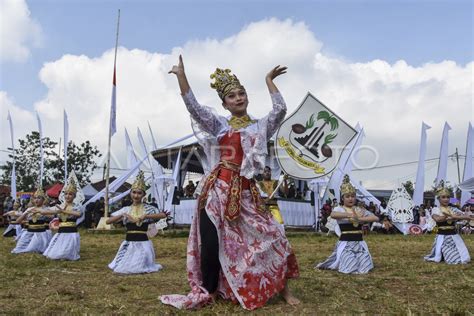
(294, 213)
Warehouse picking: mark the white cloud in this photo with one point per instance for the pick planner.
(18, 31)
(389, 100)
(22, 121)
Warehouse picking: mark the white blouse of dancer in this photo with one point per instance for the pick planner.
(135, 256)
(37, 237)
(66, 243)
(349, 256)
(23, 241)
(450, 248)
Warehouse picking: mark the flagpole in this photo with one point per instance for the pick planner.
(107, 171)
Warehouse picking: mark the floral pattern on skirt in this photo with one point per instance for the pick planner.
(255, 256)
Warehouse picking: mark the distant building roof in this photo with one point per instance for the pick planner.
(101, 185)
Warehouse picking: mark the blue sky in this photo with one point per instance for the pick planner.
(397, 62)
(415, 31)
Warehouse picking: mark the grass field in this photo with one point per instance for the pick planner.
(401, 283)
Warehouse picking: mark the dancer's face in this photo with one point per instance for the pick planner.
(39, 200)
(236, 102)
(137, 196)
(443, 200)
(69, 197)
(349, 199)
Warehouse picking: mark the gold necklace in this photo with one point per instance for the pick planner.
(240, 122)
(35, 216)
(136, 212)
(64, 216)
(354, 222)
(446, 210)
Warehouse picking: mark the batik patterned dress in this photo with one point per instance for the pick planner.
(37, 237)
(66, 243)
(448, 246)
(351, 254)
(136, 253)
(255, 257)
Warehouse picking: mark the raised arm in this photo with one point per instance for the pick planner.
(207, 120)
(178, 70)
(277, 114)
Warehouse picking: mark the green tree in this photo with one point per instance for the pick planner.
(81, 159)
(27, 162)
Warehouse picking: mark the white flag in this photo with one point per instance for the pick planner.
(443, 158)
(66, 141)
(142, 141)
(443, 155)
(466, 195)
(40, 130)
(113, 108)
(13, 179)
(113, 187)
(131, 156)
(152, 137)
(420, 173)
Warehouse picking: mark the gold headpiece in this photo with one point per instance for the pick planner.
(71, 186)
(442, 190)
(224, 82)
(139, 183)
(347, 187)
(40, 193)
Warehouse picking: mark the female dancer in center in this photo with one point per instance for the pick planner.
(236, 250)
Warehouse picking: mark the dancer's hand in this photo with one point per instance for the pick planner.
(130, 218)
(178, 69)
(275, 72)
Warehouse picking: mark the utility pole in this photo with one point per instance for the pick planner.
(457, 162)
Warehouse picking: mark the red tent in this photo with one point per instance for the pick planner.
(54, 190)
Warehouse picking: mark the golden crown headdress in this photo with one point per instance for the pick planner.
(40, 193)
(441, 189)
(71, 186)
(139, 183)
(347, 187)
(224, 82)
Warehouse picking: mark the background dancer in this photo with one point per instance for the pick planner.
(37, 237)
(136, 253)
(66, 243)
(448, 245)
(351, 254)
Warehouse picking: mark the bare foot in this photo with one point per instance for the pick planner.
(213, 296)
(288, 297)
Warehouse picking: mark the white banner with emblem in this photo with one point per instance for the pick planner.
(310, 141)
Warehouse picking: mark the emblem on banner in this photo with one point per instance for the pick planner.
(310, 141)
